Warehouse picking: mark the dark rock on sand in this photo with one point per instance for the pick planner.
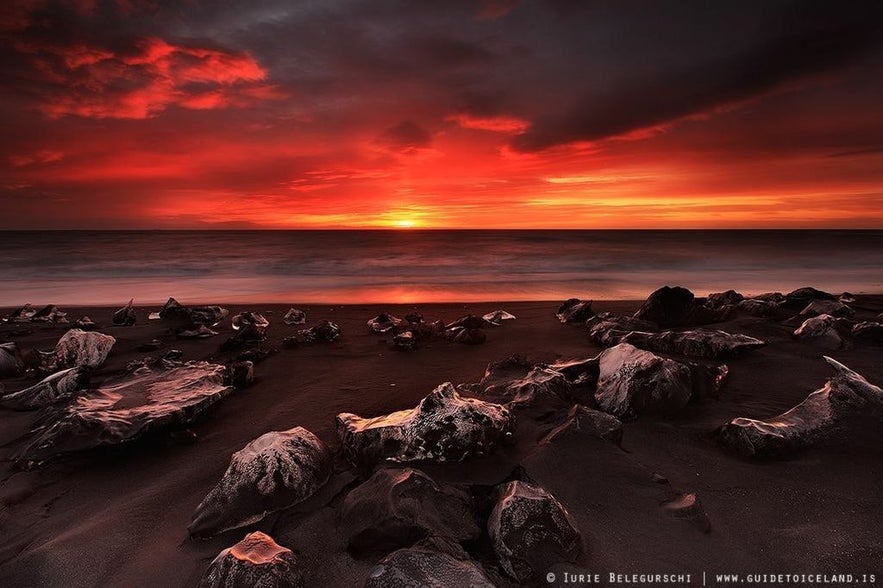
(294, 317)
(668, 307)
(405, 341)
(59, 386)
(241, 374)
(466, 336)
(173, 355)
(540, 384)
(195, 315)
(497, 317)
(85, 323)
(432, 563)
(829, 307)
(152, 400)
(50, 314)
(584, 421)
(805, 295)
(250, 320)
(721, 299)
(277, 470)
(828, 412)
(758, 307)
(574, 310)
(530, 530)
(126, 315)
(469, 322)
(383, 323)
(868, 332)
(21, 314)
(154, 345)
(633, 381)
(256, 561)
(81, 348)
(11, 360)
(200, 332)
(442, 427)
(696, 343)
(250, 329)
(602, 324)
(688, 508)
(414, 318)
(397, 507)
(324, 332)
(820, 330)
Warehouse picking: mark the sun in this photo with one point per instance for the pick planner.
(404, 223)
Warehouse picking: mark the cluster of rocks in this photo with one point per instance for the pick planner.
(27, 313)
(410, 332)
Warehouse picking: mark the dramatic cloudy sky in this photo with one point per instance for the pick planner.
(461, 113)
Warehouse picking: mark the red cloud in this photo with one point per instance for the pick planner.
(500, 124)
(99, 83)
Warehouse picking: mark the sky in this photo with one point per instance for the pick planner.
(462, 114)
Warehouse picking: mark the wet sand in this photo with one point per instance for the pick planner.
(120, 518)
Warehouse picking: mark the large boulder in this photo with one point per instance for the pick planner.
(432, 563)
(83, 348)
(126, 315)
(255, 562)
(277, 470)
(192, 315)
(149, 401)
(531, 530)
(830, 307)
(820, 330)
(695, 343)
(803, 296)
(497, 317)
(719, 300)
(632, 381)
(827, 412)
(601, 326)
(759, 307)
(574, 310)
(397, 507)
(443, 427)
(668, 307)
(59, 386)
(383, 323)
(11, 360)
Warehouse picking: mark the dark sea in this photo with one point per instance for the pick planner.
(410, 266)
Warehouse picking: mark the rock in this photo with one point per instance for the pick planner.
(59, 386)
(84, 323)
(397, 507)
(497, 317)
(668, 307)
(868, 332)
(173, 355)
(504, 371)
(830, 410)
(197, 315)
(126, 315)
(295, 317)
(695, 343)
(580, 372)
(246, 320)
(275, 471)
(803, 296)
(442, 427)
(721, 299)
(659, 478)
(256, 561)
(530, 530)
(583, 421)
(405, 341)
(383, 323)
(847, 298)
(574, 310)
(11, 360)
(241, 374)
(200, 332)
(758, 307)
(433, 563)
(632, 381)
(829, 307)
(50, 314)
(539, 384)
(81, 348)
(250, 329)
(600, 325)
(154, 345)
(414, 318)
(820, 330)
(469, 322)
(324, 332)
(22, 314)
(117, 413)
(466, 336)
(776, 297)
(687, 507)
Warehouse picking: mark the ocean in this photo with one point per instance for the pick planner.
(413, 266)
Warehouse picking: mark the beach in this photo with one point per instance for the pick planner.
(120, 518)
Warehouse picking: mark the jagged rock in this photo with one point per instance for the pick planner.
(11, 360)
(695, 343)
(442, 427)
(687, 507)
(668, 307)
(829, 307)
(294, 316)
(22, 314)
(820, 330)
(432, 563)
(81, 348)
(845, 397)
(574, 310)
(250, 329)
(580, 372)
(397, 507)
(466, 336)
(868, 332)
(504, 371)
(758, 307)
(196, 315)
(245, 320)
(847, 298)
(241, 374)
(257, 561)
(633, 381)
(600, 325)
(126, 315)
(275, 471)
(85, 323)
(531, 530)
(539, 384)
(805, 295)
(173, 355)
(497, 317)
(324, 332)
(414, 318)
(582, 420)
(405, 341)
(50, 314)
(59, 386)
(469, 322)
(383, 323)
(150, 401)
(200, 332)
(721, 299)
